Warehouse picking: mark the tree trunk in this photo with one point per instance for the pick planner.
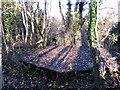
(1, 77)
(81, 4)
(63, 19)
(25, 22)
(44, 39)
(4, 40)
(92, 37)
(37, 19)
(32, 35)
(96, 26)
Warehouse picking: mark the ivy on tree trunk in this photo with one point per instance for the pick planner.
(92, 38)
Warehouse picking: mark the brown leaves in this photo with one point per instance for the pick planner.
(62, 58)
(59, 59)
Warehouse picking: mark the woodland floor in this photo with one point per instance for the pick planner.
(61, 58)
(21, 75)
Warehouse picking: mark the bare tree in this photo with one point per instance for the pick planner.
(25, 21)
(32, 34)
(60, 8)
(43, 32)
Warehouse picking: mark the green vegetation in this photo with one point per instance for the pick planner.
(27, 28)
